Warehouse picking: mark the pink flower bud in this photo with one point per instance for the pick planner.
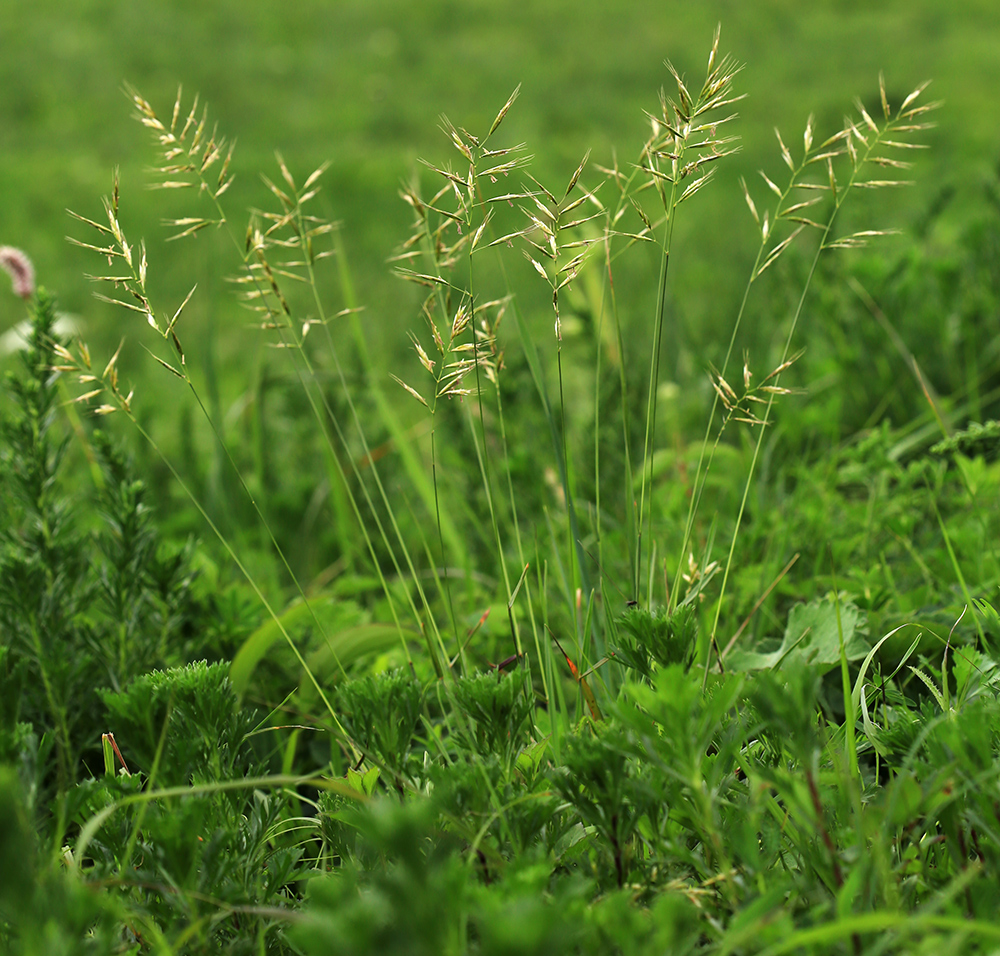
(18, 266)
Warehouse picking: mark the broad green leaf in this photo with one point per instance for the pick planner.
(811, 637)
(342, 639)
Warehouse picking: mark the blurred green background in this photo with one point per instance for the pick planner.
(362, 84)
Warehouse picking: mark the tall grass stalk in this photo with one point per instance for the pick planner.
(266, 284)
(107, 383)
(685, 125)
(477, 358)
(862, 151)
(280, 315)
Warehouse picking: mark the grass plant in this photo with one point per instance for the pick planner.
(568, 679)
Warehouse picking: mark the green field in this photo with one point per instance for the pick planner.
(446, 551)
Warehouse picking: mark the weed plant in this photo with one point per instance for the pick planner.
(570, 680)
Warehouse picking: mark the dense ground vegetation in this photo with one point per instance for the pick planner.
(552, 641)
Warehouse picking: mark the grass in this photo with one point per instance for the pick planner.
(555, 642)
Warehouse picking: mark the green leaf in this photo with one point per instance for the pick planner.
(811, 638)
(343, 643)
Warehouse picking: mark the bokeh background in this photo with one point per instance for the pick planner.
(362, 84)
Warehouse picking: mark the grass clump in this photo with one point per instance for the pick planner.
(568, 678)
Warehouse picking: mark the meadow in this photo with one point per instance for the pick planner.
(506, 495)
